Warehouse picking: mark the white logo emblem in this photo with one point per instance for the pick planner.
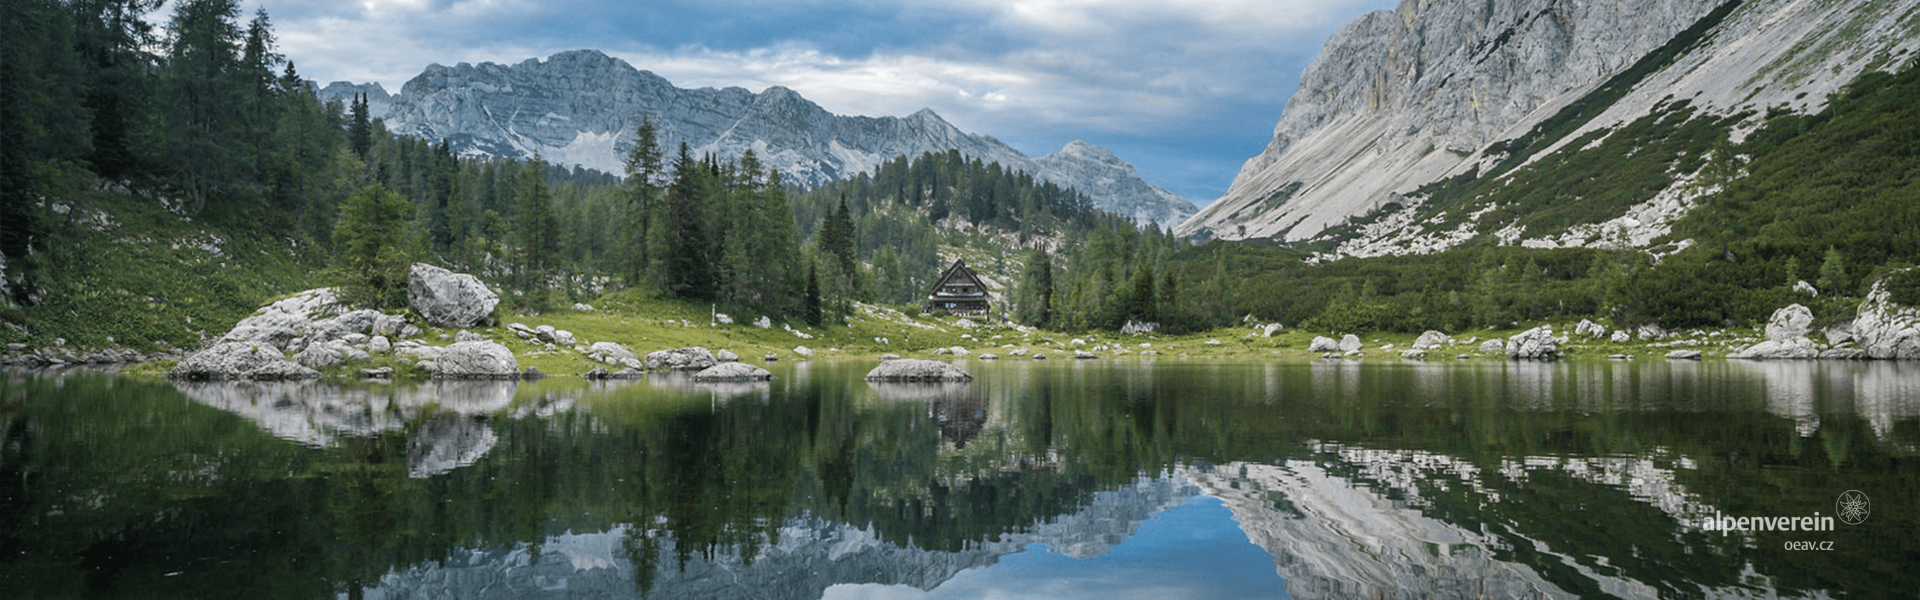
(1853, 507)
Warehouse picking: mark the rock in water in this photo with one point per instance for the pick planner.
(1887, 329)
(1323, 344)
(1684, 355)
(803, 351)
(240, 360)
(726, 356)
(1789, 323)
(1534, 344)
(913, 369)
(1786, 337)
(476, 360)
(693, 358)
(1432, 340)
(733, 371)
(1350, 343)
(449, 299)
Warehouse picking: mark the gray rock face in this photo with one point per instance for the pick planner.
(694, 358)
(612, 353)
(1886, 329)
(280, 322)
(1323, 344)
(1397, 100)
(1534, 344)
(476, 360)
(1393, 95)
(582, 108)
(733, 371)
(1591, 329)
(912, 369)
(1350, 343)
(1112, 183)
(1493, 346)
(1789, 323)
(449, 299)
(726, 356)
(240, 360)
(318, 356)
(1621, 337)
(379, 345)
(1684, 355)
(1432, 340)
(1786, 337)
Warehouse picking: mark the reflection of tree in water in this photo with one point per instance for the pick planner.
(205, 492)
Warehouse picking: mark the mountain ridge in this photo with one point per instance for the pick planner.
(1371, 130)
(581, 107)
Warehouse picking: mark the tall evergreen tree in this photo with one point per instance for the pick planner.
(360, 130)
(1036, 290)
(536, 232)
(371, 258)
(688, 268)
(811, 310)
(644, 168)
(204, 91)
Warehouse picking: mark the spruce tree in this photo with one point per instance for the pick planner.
(810, 304)
(688, 267)
(360, 131)
(644, 168)
(371, 259)
(536, 232)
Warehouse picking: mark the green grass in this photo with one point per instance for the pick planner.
(147, 277)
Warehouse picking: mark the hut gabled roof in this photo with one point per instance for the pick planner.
(958, 273)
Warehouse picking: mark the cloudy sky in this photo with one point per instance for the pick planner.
(1186, 90)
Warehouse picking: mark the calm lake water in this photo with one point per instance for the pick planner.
(1058, 479)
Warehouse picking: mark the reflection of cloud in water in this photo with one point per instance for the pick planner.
(454, 433)
(810, 556)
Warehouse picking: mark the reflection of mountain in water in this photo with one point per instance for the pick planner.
(1387, 523)
(452, 433)
(810, 555)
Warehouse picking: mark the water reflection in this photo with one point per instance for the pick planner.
(1347, 479)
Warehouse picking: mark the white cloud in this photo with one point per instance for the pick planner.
(1043, 70)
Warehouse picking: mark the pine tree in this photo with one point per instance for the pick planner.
(205, 91)
(360, 131)
(536, 232)
(371, 259)
(810, 305)
(1833, 273)
(688, 268)
(644, 168)
(1036, 290)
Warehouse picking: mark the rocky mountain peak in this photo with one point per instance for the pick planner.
(581, 107)
(1437, 89)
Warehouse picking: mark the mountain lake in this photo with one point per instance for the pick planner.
(1125, 478)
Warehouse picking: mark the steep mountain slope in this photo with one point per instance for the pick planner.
(582, 108)
(1471, 92)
